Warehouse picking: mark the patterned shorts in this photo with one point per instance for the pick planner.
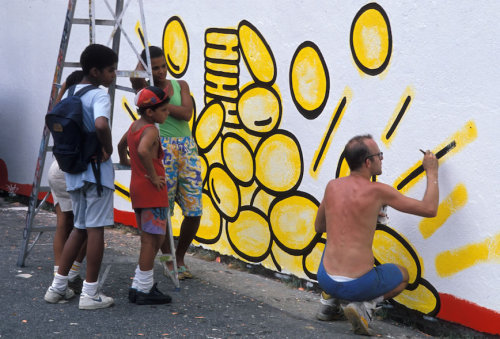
(183, 172)
(152, 220)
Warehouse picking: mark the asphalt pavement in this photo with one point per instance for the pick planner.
(220, 302)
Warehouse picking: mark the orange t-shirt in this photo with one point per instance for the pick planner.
(142, 192)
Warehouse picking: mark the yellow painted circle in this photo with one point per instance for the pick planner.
(238, 158)
(209, 124)
(259, 109)
(250, 234)
(256, 53)
(278, 163)
(421, 299)
(176, 47)
(309, 78)
(210, 224)
(224, 192)
(371, 40)
(313, 259)
(292, 221)
(388, 249)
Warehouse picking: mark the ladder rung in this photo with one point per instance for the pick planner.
(123, 88)
(119, 167)
(101, 22)
(43, 228)
(44, 189)
(72, 64)
(132, 74)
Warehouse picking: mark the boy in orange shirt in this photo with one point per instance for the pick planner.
(148, 190)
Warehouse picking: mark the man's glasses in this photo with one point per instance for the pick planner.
(380, 155)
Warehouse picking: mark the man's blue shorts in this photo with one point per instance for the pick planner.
(380, 280)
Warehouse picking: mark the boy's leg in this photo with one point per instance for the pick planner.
(95, 251)
(189, 228)
(64, 226)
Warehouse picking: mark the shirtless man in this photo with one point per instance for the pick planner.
(348, 214)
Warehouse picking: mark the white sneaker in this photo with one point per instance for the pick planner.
(53, 296)
(330, 308)
(359, 316)
(95, 302)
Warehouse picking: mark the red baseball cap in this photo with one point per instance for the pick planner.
(150, 96)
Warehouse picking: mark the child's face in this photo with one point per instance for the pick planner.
(159, 68)
(160, 114)
(106, 75)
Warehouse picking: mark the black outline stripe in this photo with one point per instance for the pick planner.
(398, 118)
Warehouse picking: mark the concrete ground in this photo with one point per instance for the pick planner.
(220, 302)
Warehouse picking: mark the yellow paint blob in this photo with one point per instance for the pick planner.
(210, 223)
(259, 109)
(344, 169)
(388, 249)
(127, 108)
(370, 39)
(278, 163)
(421, 299)
(451, 262)
(313, 259)
(309, 79)
(453, 202)
(209, 124)
(176, 46)
(238, 158)
(292, 221)
(250, 233)
(123, 188)
(263, 200)
(290, 264)
(224, 192)
(257, 54)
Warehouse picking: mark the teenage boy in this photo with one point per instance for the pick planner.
(92, 208)
(181, 161)
(148, 190)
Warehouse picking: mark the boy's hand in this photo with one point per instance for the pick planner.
(105, 155)
(157, 181)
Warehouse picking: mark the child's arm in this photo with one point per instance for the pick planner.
(122, 150)
(104, 135)
(148, 145)
(185, 111)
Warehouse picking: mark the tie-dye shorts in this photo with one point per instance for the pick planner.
(152, 220)
(183, 172)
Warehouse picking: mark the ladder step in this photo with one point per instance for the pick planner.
(123, 88)
(101, 22)
(72, 64)
(44, 189)
(132, 74)
(119, 167)
(43, 228)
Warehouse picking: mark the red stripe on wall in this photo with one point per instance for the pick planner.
(468, 314)
(126, 218)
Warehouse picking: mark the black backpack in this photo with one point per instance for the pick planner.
(74, 146)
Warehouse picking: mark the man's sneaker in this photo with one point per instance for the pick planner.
(330, 309)
(359, 317)
(132, 295)
(54, 296)
(154, 297)
(76, 284)
(95, 302)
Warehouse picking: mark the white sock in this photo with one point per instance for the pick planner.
(56, 268)
(135, 283)
(74, 271)
(89, 288)
(378, 299)
(145, 280)
(60, 282)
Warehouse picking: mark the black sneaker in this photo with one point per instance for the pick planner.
(154, 297)
(76, 285)
(132, 295)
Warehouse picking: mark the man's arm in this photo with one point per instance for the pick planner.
(427, 207)
(104, 135)
(122, 150)
(185, 111)
(320, 222)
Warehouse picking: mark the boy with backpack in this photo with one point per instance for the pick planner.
(148, 190)
(92, 208)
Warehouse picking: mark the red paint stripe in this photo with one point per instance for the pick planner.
(469, 314)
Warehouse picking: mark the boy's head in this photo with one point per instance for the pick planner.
(158, 63)
(99, 63)
(152, 98)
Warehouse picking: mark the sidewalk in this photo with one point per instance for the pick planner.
(220, 302)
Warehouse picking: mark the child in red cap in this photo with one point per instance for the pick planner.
(148, 190)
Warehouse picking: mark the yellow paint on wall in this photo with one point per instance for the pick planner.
(324, 146)
(259, 109)
(119, 193)
(210, 220)
(129, 109)
(453, 202)
(226, 38)
(257, 54)
(176, 46)
(344, 169)
(238, 159)
(451, 262)
(462, 138)
(250, 233)
(313, 259)
(421, 299)
(224, 192)
(209, 124)
(290, 264)
(409, 92)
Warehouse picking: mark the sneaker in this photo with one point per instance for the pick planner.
(154, 297)
(95, 302)
(76, 285)
(54, 296)
(132, 295)
(359, 316)
(330, 309)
